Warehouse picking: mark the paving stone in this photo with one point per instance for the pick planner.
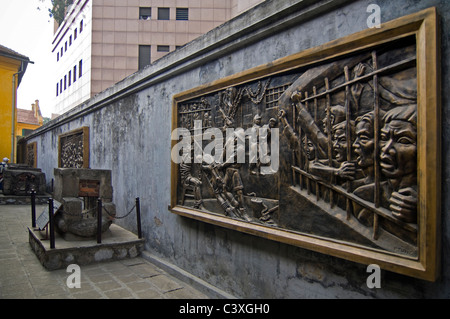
(118, 294)
(17, 290)
(84, 287)
(8, 279)
(22, 276)
(185, 293)
(108, 285)
(114, 266)
(88, 294)
(125, 278)
(55, 289)
(45, 278)
(137, 286)
(132, 261)
(145, 270)
(98, 278)
(149, 294)
(165, 283)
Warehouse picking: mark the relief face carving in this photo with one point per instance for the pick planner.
(366, 168)
(348, 143)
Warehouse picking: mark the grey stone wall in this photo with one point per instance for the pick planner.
(130, 126)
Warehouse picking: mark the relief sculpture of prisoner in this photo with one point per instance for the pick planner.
(351, 126)
(335, 148)
(347, 150)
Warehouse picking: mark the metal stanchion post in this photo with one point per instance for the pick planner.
(33, 209)
(51, 223)
(99, 221)
(138, 217)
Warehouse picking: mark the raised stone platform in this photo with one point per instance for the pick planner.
(117, 243)
(23, 200)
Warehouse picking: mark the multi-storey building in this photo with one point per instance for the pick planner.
(12, 69)
(29, 120)
(101, 42)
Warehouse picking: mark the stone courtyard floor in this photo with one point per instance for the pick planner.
(23, 277)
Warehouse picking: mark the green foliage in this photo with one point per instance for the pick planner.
(58, 10)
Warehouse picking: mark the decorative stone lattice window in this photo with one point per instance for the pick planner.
(73, 149)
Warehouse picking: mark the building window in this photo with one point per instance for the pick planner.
(145, 13)
(81, 26)
(74, 73)
(60, 86)
(75, 34)
(70, 40)
(80, 69)
(163, 13)
(70, 77)
(65, 47)
(57, 88)
(163, 48)
(62, 52)
(57, 56)
(26, 131)
(65, 82)
(182, 14)
(144, 56)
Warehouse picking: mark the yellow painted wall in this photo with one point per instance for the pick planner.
(8, 67)
(21, 126)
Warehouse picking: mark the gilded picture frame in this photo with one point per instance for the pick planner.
(296, 203)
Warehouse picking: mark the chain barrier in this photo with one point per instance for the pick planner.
(94, 209)
(57, 208)
(74, 214)
(114, 216)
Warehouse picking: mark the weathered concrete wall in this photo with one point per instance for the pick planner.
(130, 126)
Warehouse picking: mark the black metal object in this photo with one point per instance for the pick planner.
(138, 217)
(33, 209)
(99, 221)
(51, 223)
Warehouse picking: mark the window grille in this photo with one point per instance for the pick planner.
(144, 56)
(163, 13)
(163, 48)
(274, 94)
(145, 13)
(182, 14)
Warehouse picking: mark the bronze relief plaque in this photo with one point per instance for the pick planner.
(334, 149)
